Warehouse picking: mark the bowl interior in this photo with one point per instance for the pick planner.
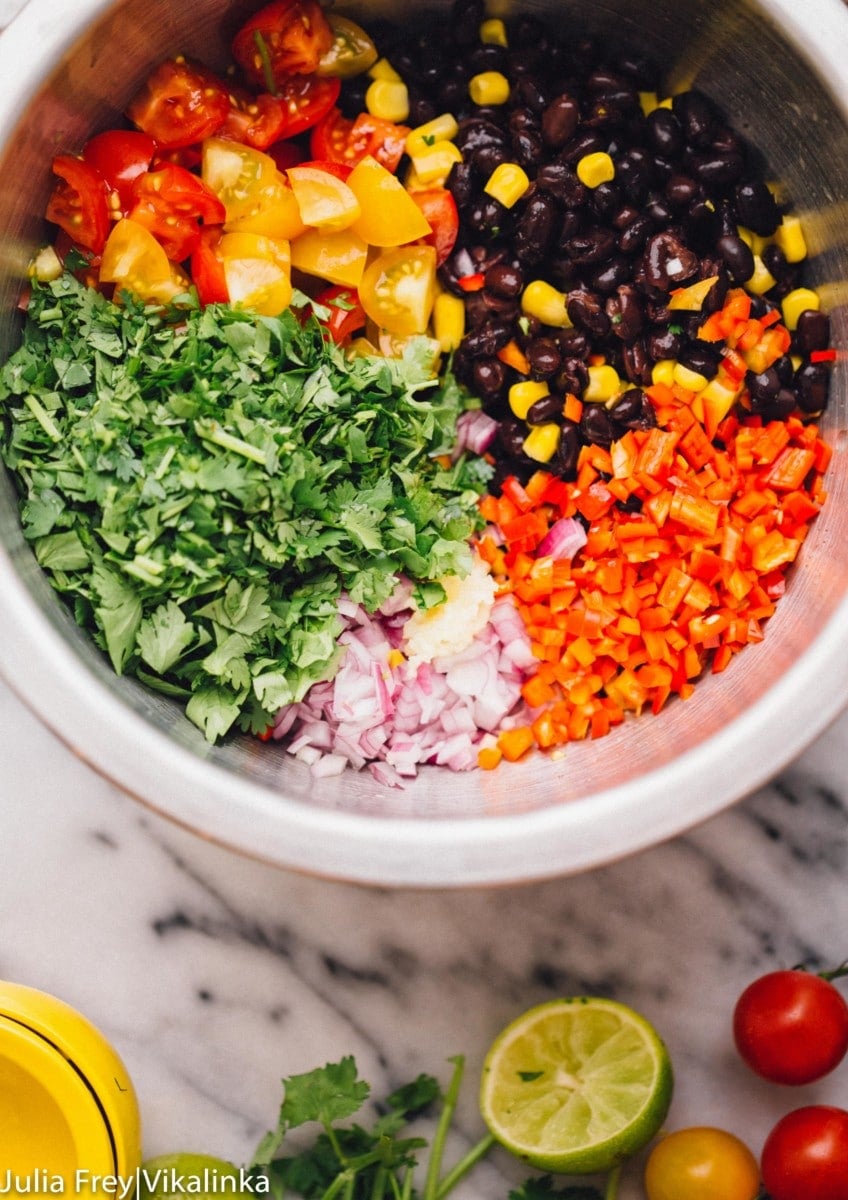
(601, 799)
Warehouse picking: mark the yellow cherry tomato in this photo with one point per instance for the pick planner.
(337, 257)
(398, 289)
(325, 201)
(390, 217)
(134, 260)
(352, 51)
(257, 271)
(257, 197)
(701, 1163)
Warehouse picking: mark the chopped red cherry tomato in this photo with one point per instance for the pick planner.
(180, 104)
(172, 204)
(307, 99)
(439, 207)
(207, 267)
(349, 141)
(256, 120)
(346, 314)
(120, 156)
(286, 37)
(791, 1027)
(79, 202)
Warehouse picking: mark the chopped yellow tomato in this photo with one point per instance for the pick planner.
(325, 201)
(352, 51)
(257, 197)
(257, 270)
(390, 217)
(337, 257)
(398, 289)
(134, 260)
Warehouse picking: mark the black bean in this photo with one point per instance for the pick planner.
(625, 312)
(681, 190)
(529, 93)
(634, 171)
(585, 141)
(697, 116)
(476, 132)
(763, 387)
(614, 272)
(737, 256)
(637, 362)
(590, 247)
(488, 339)
(604, 200)
(511, 434)
(812, 331)
(488, 217)
(812, 383)
(757, 208)
(665, 134)
(597, 426)
(527, 148)
(488, 57)
(505, 280)
(573, 343)
(461, 184)
(544, 356)
(668, 262)
(700, 356)
(564, 461)
(559, 121)
(717, 169)
(573, 377)
(633, 410)
(560, 181)
(633, 238)
(664, 342)
(545, 410)
(658, 209)
(489, 378)
(587, 312)
(535, 228)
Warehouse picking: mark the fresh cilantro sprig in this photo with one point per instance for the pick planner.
(201, 487)
(354, 1161)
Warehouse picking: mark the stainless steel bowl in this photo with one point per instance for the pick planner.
(68, 68)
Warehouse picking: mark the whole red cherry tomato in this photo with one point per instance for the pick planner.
(805, 1157)
(791, 1027)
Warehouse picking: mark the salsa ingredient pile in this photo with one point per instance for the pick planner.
(418, 403)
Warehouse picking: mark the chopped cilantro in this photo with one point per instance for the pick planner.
(201, 487)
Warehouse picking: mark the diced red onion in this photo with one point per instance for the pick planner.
(562, 541)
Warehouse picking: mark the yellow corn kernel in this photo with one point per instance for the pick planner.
(396, 658)
(443, 128)
(648, 101)
(762, 280)
(448, 321)
(754, 241)
(796, 302)
(493, 32)
(434, 163)
(719, 399)
(489, 87)
(507, 183)
(383, 69)
(692, 297)
(789, 236)
(693, 381)
(663, 371)
(667, 103)
(541, 442)
(523, 395)
(388, 99)
(544, 302)
(595, 169)
(604, 384)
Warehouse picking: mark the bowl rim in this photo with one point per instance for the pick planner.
(411, 852)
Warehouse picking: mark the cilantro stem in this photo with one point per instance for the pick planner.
(43, 417)
(434, 1166)
(211, 431)
(344, 1182)
(265, 59)
(464, 1165)
(611, 1189)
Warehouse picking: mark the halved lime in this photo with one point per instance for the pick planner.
(575, 1086)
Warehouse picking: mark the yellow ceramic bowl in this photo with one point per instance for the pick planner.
(68, 1110)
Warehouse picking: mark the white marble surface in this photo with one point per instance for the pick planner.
(215, 976)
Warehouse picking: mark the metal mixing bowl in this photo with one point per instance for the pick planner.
(68, 68)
